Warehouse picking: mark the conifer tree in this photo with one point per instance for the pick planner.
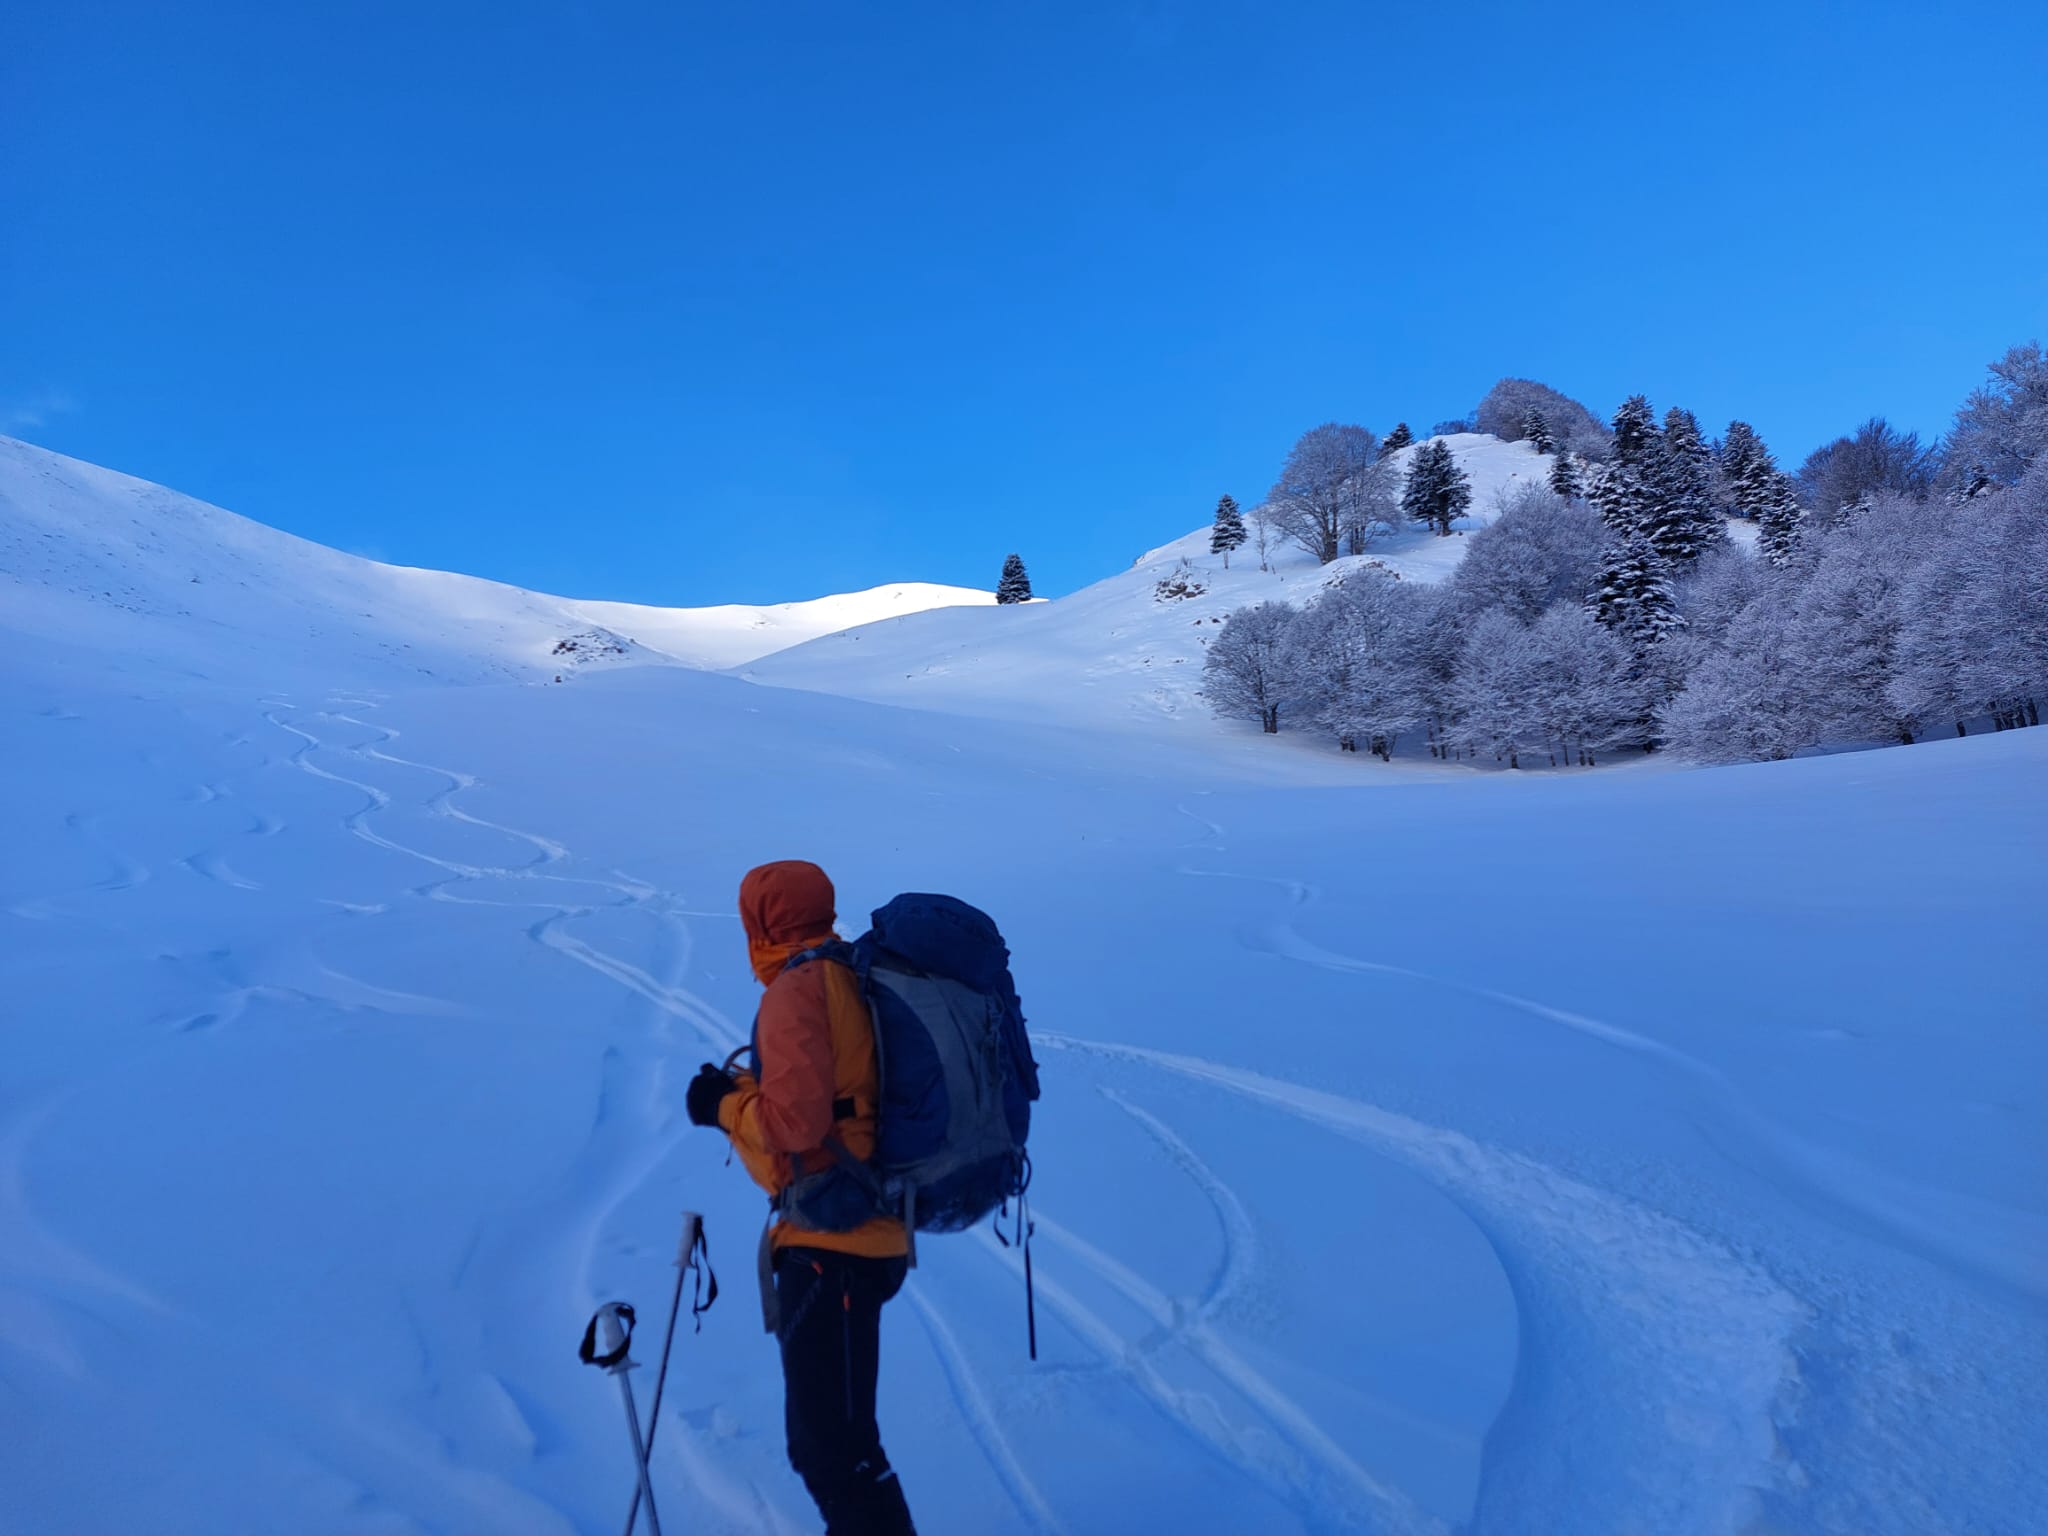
(1685, 522)
(1635, 433)
(1396, 440)
(1438, 491)
(1229, 532)
(1778, 514)
(1739, 450)
(1753, 477)
(1537, 431)
(1564, 476)
(1633, 596)
(1682, 435)
(1015, 587)
(1621, 495)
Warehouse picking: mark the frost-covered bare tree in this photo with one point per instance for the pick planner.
(1539, 549)
(1876, 459)
(1357, 661)
(1489, 692)
(1565, 686)
(1590, 696)
(1332, 488)
(1745, 701)
(2002, 429)
(1909, 617)
(1718, 587)
(1244, 676)
(1975, 641)
(1505, 412)
(1847, 615)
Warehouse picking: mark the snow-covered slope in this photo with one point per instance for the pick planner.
(101, 561)
(1646, 1151)
(1118, 652)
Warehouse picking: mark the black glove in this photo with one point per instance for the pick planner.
(707, 1091)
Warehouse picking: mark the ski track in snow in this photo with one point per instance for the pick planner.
(743, 1506)
(125, 873)
(2003, 1250)
(1705, 1337)
(1630, 1320)
(1609, 1292)
(1283, 1450)
(1290, 1454)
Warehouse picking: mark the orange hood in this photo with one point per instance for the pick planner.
(786, 908)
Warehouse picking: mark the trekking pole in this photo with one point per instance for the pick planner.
(688, 1251)
(615, 1318)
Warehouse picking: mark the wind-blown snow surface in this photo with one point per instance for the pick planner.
(1642, 1151)
(1119, 652)
(90, 558)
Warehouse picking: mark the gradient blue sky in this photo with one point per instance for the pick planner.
(697, 303)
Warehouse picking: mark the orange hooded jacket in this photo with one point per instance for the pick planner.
(817, 1055)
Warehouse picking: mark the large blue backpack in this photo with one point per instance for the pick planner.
(957, 1076)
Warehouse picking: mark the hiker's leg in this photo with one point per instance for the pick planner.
(830, 1336)
(813, 1394)
(874, 1490)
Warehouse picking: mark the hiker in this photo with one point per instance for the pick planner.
(817, 1077)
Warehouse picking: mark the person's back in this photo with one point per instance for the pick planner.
(815, 1079)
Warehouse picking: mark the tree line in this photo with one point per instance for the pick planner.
(1895, 590)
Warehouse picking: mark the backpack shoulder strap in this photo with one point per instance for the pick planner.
(831, 949)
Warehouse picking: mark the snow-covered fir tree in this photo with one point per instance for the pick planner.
(1015, 587)
(1751, 471)
(1438, 491)
(1778, 515)
(1537, 431)
(1396, 440)
(1620, 493)
(1686, 519)
(1683, 436)
(1565, 478)
(1633, 595)
(1739, 450)
(1229, 530)
(1635, 433)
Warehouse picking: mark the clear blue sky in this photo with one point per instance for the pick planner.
(694, 302)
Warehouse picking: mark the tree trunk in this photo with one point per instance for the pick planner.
(1269, 717)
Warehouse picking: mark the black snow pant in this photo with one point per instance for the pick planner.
(830, 1330)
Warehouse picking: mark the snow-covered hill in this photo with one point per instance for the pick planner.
(97, 561)
(1492, 1154)
(1120, 651)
